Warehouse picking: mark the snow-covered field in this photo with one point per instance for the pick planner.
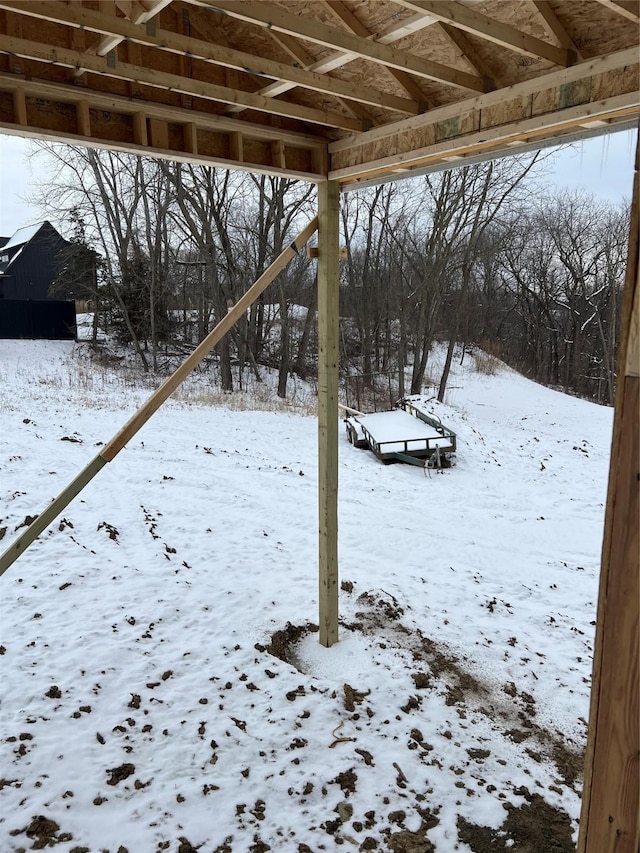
(162, 684)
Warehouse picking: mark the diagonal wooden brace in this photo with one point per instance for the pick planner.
(159, 396)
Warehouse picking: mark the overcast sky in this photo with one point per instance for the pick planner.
(603, 166)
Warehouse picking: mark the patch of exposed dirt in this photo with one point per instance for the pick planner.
(119, 774)
(353, 697)
(409, 842)
(569, 762)
(282, 642)
(532, 827)
(45, 833)
(529, 828)
(385, 605)
(347, 781)
(405, 841)
(381, 615)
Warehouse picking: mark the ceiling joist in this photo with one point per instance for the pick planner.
(336, 59)
(137, 14)
(295, 49)
(164, 80)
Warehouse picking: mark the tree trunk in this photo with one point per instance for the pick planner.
(447, 367)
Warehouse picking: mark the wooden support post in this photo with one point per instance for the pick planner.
(83, 118)
(278, 159)
(328, 319)
(159, 396)
(191, 138)
(158, 133)
(140, 136)
(236, 151)
(20, 107)
(610, 818)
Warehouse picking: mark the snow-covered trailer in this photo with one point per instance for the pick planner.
(404, 434)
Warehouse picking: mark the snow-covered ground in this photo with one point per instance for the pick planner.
(143, 705)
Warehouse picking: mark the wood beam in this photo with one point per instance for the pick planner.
(460, 41)
(629, 9)
(156, 400)
(295, 49)
(278, 154)
(191, 139)
(407, 27)
(464, 18)
(201, 137)
(584, 71)
(610, 818)
(64, 94)
(351, 22)
(314, 31)
(236, 146)
(83, 117)
(44, 53)
(491, 141)
(139, 15)
(328, 322)
(552, 25)
(300, 56)
(338, 59)
(20, 107)
(537, 109)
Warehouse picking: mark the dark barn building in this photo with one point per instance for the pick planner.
(29, 264)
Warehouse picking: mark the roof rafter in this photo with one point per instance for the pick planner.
(346, 16)
(629, 9)
(138, 14)
(460, 41)
(295, 49)
(464, 18)
(208, 52)
(552, 25)
(265, 15)
(337, 59)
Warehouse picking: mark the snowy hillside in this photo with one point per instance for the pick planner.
(162, 684)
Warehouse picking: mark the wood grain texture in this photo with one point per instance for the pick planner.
(610, 820)
(328, 320)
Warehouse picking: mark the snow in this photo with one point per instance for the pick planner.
(22, 236)
(467, 614)
(397, 426)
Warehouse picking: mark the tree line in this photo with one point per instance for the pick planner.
(481, 256)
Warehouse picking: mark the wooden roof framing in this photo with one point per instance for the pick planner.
(354, 91)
